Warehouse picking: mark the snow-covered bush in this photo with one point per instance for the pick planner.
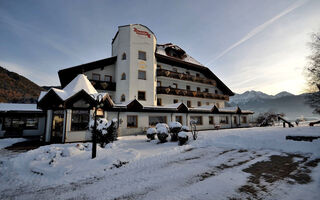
(182, 137)
(151, 132)
(175, 128)
(106, 130)
(162, 132)
(185, 128)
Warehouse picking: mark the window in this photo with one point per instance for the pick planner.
(175, 69)
(123, 98)
(175, 100)
(197, 119)
(158, 83)
(187, 72)
(132, 121)
(179, 119)
(197, 75)
(142, 95)
(207, 103)
(188, 87)
(211, 120)
(216, 91)
(124, 56)
(96, 77)
(158, 66)
(154, 120)
(206, 90)
(224, 120)
(142, 55)
(123, 76)
(79, 120)
(175, 85)
(107, 78)
(244, 119)
(199, 103)
(159, 102)
(31, 123)
(20, 123)
(142, 75)
(189, 104)
(198, 89)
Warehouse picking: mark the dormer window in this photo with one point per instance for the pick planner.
(216, 91)
(96, 77)
(124, 56)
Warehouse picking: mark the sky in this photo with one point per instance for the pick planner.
(249, 44)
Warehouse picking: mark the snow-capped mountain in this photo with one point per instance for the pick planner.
(284, 102)
(255, 95)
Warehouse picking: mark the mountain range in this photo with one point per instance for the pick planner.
(293, 106)
(15, 88)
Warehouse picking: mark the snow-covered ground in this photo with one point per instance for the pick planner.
(10, 141)
(218, 165)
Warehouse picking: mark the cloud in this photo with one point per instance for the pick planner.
(258, 29)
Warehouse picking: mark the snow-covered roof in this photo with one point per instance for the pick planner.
(203, 108)
(5, 107)
(187, 58)
(229, 109)
(79, 83)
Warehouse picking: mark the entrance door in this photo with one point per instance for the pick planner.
(235, 120)
(57, 126)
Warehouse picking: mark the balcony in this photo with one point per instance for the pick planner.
(189, 93)
(103, 85)
(186, 77)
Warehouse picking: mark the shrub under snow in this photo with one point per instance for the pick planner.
(151, 132)
(106, 130)
(175, 128)
(182, 137)
(162, 131)
(185, 128)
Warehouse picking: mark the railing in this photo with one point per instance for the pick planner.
(182, 92)
(182, 76)
(103, 85)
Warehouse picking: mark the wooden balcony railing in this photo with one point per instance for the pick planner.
(103, 85)
(182, 76)
(189, 93)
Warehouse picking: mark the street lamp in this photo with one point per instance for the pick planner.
(98, 105)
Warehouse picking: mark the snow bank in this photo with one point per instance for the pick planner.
(272, 138)
(183, 134)
(64, 163)
(10, 141)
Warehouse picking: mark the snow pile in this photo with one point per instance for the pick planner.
(185, 128)
(183, 134)
(174, 125)
(162, 128)
(63, 163)
(10, 141)
(151, 131)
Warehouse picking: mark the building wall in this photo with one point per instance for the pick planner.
(130, 42)
(168, 99)
(143, 121)
(107, 70)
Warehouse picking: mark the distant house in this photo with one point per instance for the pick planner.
(21, 120)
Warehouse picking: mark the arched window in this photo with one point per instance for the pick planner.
(123, 98)
(124, 56)
(123, 76)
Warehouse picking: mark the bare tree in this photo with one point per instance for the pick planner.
(313, 74)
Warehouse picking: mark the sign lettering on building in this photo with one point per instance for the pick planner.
(139, 32)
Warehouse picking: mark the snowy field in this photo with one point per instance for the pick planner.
(248, 163)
